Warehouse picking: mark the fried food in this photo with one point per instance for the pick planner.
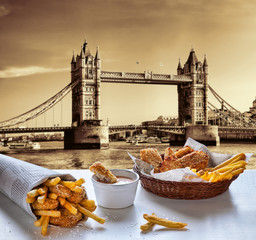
(182, 158)
(103, 174)
(77, 197)
(163, 222)
(148, 225)
(56, 201)
(226, 170)
(61, 191)
(51, 213)
(196, 159)
(183, 151)
(66, 218)
(48, 204)
(151, 156)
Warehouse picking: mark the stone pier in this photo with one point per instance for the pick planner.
(206, 134)
(87, 136)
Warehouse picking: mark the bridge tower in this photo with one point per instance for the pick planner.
(193, 101)
(193, 97)
(87, 130)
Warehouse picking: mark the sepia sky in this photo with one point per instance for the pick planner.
(37, 39)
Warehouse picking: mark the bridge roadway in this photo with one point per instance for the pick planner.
(225, 133)
(143, 78)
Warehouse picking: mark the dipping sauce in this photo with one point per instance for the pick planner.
(120, 180)
(123, 180)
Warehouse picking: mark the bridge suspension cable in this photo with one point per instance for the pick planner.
(40, 109)
(227, 114)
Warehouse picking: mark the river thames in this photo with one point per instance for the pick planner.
(52, 155)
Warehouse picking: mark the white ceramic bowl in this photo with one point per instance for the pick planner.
(116, 195)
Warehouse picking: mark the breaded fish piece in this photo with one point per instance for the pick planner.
(196, 159)
(47, 205)
(66, 219)
(102, 173)
(151, 156)
(183, 151)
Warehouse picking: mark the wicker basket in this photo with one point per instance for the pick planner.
(183, 190)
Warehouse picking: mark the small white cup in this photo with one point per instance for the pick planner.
(116, 195)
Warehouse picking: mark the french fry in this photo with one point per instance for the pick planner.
(42, 198)
(215, 176)
(42, 190)
(163, 222)
(62, 200)
(147, 226)
(68, 184)
(45, 225)
(77, 189)
(236, 165)
(30, 199)
(240, 156)
(90, 214)
(237, 171)
(52, 195)
(38, 223)
(88, 204)
(51, 213)
(32, 193)
(70, 207)
(80, 181)
(52, 182)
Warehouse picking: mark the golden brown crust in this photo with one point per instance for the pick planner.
(151, 156)
(66, 219)
(77, 197)
(196, 160)
(102, 173)
(48, 204)
(183, 151)
(61, 191)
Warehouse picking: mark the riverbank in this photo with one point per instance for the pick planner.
(53, 156)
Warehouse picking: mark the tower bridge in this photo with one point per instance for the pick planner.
(86, 130)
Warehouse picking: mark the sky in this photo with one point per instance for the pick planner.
(37, 40)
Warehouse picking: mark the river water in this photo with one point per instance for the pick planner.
(53, 156)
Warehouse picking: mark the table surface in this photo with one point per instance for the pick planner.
(230, 215)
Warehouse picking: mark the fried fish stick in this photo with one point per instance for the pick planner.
(163, 222)
(90, 214)
(240, 156)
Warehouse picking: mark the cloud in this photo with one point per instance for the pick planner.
(19, 72)
(4, 11)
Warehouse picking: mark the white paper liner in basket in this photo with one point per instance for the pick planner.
(18, 177)
(184, 174)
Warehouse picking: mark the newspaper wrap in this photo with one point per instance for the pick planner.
(185, 174)
(18, 177)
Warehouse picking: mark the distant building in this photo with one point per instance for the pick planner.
(253, 108)
(162, 120)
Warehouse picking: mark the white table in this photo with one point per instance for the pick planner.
(230, 215)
